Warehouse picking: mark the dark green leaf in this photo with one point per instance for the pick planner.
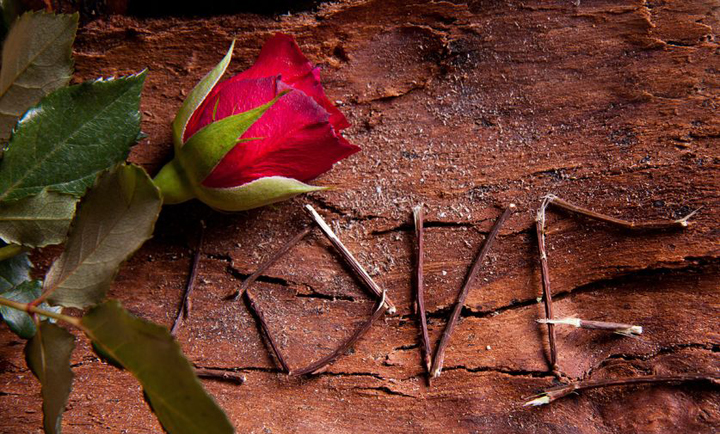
(36, 59)
(73, 134)
(20, 322)
(114, 220)
(14, 271)
(48, 357)
(154, 358)
(37, 221)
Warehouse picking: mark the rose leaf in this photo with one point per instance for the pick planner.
(150, 353)
(37, 221)
(48, 357)
(114, 219)
(36, 59)
(71, 135)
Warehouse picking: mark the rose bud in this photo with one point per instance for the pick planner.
(256, 138)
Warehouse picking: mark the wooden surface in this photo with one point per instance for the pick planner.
(466, 108)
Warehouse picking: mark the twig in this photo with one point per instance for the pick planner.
(216, 374)
(656, 224)
(615, 327)
(315, 367)
(469, 281)
(556, 393)
(419, 287)
(186, 303)
(547, 294)
(349, 258)
(263, 324)
(270, 261)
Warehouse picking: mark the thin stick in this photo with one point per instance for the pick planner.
(263, 324)
(349, 258)
(556, 393)
(419, 287)
(656, 224)
(270, 261)
(547, 294)
(614, 327)
(186, 303)
(315, 367)
(469, 282)
(220, 375)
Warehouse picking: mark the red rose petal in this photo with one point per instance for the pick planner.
(297, 139)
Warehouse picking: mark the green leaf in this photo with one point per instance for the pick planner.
(48, 357)
(197, 96)
(36, 59)
(37, 221)
(20, 322)
(73, 134)
(14, 271)
(114, 220)
(204, 150)
(260, 192)
(151, 354)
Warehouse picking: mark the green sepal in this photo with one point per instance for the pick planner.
(207, 147)
(255, 194)
(196, 97)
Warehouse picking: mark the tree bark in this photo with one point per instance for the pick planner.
(465, 108)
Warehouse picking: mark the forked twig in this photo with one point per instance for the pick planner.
(270, 261)
(545, 272)
(350, 259)
(614, 327)
(315, 367)
(419, 288)
(186, 303)
(556, 393)
(469, 281)
(655, 224)
(264, 326)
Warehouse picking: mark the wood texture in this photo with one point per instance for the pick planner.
(463, 107)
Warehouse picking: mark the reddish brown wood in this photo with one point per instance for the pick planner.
(609, 104)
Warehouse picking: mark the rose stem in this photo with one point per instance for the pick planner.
(263, 324)
(656, 224)
(215, 374)
(315, 367)
(469, 281)
(615, 327)
(419, 287)
(349, 258)
(270, 261)
(186, 303)
(556, 393)
(547, 294)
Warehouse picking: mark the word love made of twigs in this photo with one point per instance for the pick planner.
(433, 362)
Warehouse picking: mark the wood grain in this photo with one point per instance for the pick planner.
(611, 105)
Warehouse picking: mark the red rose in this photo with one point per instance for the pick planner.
(296, 136)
